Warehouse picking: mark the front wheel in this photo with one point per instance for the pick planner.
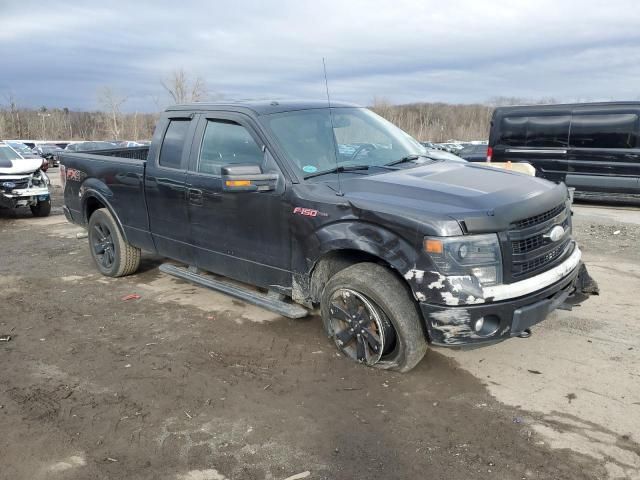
(111, 253)
(372, 318)
(42, 208)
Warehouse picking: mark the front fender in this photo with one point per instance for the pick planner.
(315, 263)
(365, 237)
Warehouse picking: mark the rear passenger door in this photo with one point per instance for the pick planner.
(241, 235)
(604, 153)
(165, 187)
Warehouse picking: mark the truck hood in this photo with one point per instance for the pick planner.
(481, 199)
(19, 166)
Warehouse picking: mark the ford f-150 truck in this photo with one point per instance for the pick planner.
(334, 207)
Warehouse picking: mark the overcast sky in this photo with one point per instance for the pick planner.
(60, 53)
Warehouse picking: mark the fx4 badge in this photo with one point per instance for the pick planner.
(309, 212)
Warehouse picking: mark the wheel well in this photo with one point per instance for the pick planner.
(92, 204)
(334, 261)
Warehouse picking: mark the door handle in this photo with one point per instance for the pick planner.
(195, 196)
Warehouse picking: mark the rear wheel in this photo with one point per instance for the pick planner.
(372, 318)
(113, 256)
(42, 208)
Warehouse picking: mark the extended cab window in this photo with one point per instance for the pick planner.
(173, 143)
(604, 131)
(227, 143)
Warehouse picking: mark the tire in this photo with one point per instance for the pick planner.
(391, 311)
(113, 256)
(42, 208)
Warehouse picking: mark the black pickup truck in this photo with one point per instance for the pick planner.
(337, 208)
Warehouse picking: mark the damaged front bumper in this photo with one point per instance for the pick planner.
(23, 197)
(479, 324)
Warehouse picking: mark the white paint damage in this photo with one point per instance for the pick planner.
(421, 297)
(454, 324)
(439, 283)
(465, 289)
(449, 298)
(414, 274)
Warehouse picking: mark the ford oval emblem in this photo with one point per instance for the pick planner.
(556, 233)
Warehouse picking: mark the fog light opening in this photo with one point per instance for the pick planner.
(479, 324)
(486, 326)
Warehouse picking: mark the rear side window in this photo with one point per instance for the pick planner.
(604, 131)
(548, 131)
(513, 131)
(538, 131)
(227, 143)
(173, 143)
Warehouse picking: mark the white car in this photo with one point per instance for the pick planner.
(23, 183)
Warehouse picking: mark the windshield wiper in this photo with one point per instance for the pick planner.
(338, 169)
(408, 158)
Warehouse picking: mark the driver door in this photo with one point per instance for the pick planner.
(243, 235)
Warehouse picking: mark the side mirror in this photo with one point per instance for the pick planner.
(247, 178)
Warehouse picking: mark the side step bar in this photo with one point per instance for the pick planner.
(266, 301)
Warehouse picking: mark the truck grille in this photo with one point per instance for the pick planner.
(534, 242)
(529, 251)
(540, 262)
(14, 184)
(536, 219)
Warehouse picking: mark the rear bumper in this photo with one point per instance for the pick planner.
(455, 326)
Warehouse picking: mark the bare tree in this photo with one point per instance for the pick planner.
(182, 89)
(14, 111)
(111, 103)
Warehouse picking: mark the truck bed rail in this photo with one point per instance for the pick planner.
(137, 153)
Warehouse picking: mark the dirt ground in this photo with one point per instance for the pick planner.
(184, 383)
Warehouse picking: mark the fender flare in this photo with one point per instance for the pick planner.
(89, 192)
(355, 236)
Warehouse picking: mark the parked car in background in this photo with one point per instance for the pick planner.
(474, 152)
(22, 149)
(23, 182)
(430, 145)
(127, 144)
(48, 151)
(449, 147)
(89, 146)
(339, 209)
(592, 147)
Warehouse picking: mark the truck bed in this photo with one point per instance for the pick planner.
(118, 176)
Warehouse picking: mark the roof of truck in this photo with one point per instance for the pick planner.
(259, 107)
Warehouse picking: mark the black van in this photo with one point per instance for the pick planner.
(594, 147)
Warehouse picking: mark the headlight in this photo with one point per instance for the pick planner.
(475, 255)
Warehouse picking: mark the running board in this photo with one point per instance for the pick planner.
(269, 302)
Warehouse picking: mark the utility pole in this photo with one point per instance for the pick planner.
(43, 115)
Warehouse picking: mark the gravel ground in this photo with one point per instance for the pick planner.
(185, 383)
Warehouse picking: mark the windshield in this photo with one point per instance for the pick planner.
(6, 153)
(20, 147)
(361, 137)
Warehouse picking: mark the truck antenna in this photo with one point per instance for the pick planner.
(333, 134)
